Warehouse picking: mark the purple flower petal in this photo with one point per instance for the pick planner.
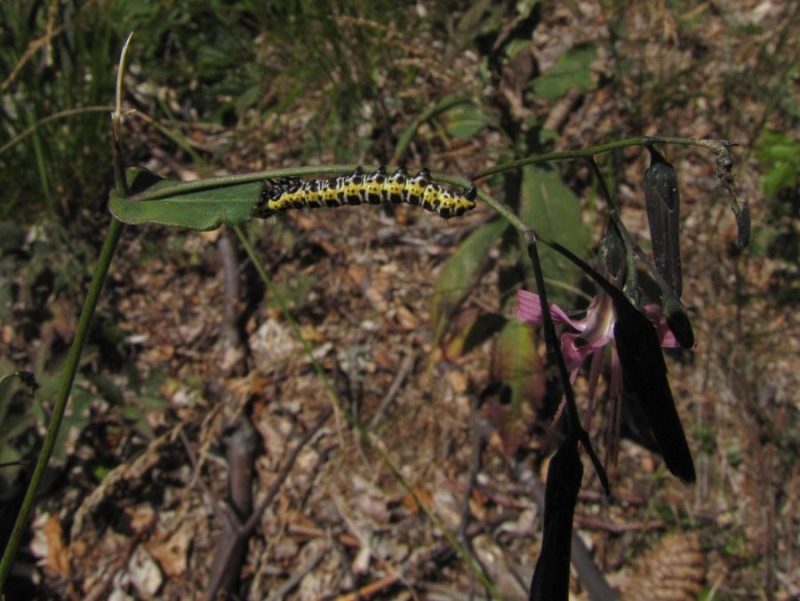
(665, 336)
(529, 310)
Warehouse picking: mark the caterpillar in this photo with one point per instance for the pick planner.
(282, 194)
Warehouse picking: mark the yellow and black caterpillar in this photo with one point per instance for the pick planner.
(282, 194)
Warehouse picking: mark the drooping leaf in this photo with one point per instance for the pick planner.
(678, 322)
(741, 209)
(662, 200)
(460, 270)
(644, 374)
(198, 210)
(551, 576)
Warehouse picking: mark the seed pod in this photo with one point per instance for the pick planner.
(663, 214)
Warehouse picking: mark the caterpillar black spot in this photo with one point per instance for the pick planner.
(282, 194)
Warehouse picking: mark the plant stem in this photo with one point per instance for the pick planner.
(585, 153)
(68, 377)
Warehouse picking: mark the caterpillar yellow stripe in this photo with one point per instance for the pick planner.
(282, 194)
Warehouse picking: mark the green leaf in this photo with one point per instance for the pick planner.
(460, 270)
(551, 208)
(572, 71)
(407, 136)
(464, 121)
(517, 363)
(194, 209)
(779, 156)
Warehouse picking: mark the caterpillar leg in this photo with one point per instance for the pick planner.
(373, 186)
(352, 187)
(392, 190)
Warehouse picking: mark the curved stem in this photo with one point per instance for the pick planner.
(54, 117)
(73, 359)
(585, 153)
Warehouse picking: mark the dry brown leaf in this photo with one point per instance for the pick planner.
(49, 545)
(171, 550)
(673, 570)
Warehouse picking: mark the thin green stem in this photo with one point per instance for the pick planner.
(585, 153)
(295, 327)
(54, 117)
(231, 180)
(408, 134)
(178, 188)
(68, 377)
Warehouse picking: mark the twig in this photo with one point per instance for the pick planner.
(372, 588)
(402, 374)
(301, 573)
(216, 504)
(479, 433)
(230, 279)
(284, 473)
(590, 523)
(244, 531)
(242, 444)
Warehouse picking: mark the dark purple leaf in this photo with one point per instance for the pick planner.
(645, 376)
(644, 373)
(663, 215)
(551, 576)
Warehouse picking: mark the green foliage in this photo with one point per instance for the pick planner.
(779, 155)
(518, 362)
(459, 272)
(222, 59)
(572, 71)
(465, 121)
(55, 57)
(553, 210)
(15, 420)
(197, 210)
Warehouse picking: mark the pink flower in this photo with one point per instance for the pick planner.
(593, 332)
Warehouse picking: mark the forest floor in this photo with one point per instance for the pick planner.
(228, 392)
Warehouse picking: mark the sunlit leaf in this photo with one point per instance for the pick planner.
(552, 209)
(198, 210)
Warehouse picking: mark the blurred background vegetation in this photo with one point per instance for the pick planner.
(236, 86)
